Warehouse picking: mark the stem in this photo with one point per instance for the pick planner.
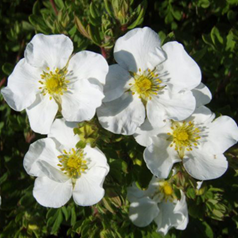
(2, 82)
(104, 52)
(54, 7)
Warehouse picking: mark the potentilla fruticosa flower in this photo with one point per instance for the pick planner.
(49, 79)
(159, 204)
(148, 81)
(146, 131)
(198, 142)
(63, 170)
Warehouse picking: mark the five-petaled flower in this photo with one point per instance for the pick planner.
(158, 203)
(50, 80)
(199, 142)
(62, 170)
(148, 81)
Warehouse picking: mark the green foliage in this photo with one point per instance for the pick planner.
(208, 31)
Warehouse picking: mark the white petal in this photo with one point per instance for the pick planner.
(143, 211)
(43, 149)
(42, 113)
(134, 193)
(159, 157)
(22, 86)
(96, 157)
(145, 132)
(139, 48)
(156, 113)
(183, 71)
(123, 115)
(223, 133)
(202, 95)
(116, 80)
(203, 165)
(177, 106)
(49, 193)
(88, 189)
(80, 103)
(181, 208)
(202, 115)
(52, 172)
(51, 51)
(63, 132)
(172, 215)
(89, 65)
(32, 156)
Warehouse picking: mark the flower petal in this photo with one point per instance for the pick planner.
(116, 80)
(41, 114)
(184, 73)
(139, 48)
(22, 86)
(143, 211)
(49, 193)
(159, 157)
(88, 189)
(89, 65)
(203, 165)
(123, 115)
(43, 149)
(63, 132)
(181, 208)
(202, 95)
(96, 157)
(145, 132)
(202, 115)
(52, 172)
(223, 133)
(177, 106)
(51, 51)
(81, 102)
(172, 215)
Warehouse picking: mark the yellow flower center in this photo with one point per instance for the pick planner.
(146, 84)
(184, 136)
(54, 83)
(73, 163)
(166, 191)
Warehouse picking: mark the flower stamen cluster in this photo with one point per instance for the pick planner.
(165, 192)
(184, 136)
(54, 83)
(146, 84)
(73, 163)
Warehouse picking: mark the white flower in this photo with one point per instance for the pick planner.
(148, 81)
(63, 171)
(199, 142)
(158, 203)
(49, 79)
(146, 131)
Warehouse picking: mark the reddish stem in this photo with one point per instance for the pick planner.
(2, 82)
(54, 7)
(104, 52)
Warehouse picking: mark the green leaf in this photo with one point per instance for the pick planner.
(73, 216)
(7, 68)
(138, 20)
(191, 193)
(59, 3)
(65, 212)
(208, 230)
(215, 36)
(58, 218)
